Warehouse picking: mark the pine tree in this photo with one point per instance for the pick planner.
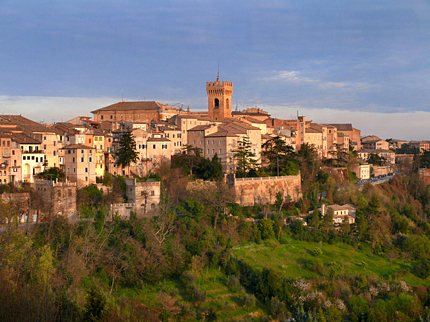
(246, 159)
(126, 153)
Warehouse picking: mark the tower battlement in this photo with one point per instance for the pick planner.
(219, 99)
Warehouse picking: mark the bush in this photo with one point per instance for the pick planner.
(422, 270)
(187, 278)
(233, 283)
(248, 300)
(277, 308)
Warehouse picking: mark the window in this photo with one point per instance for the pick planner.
(111, 117)
(91, 159)
(152, 193)
(220, 151)
(44, 138)
(82, 159)
(208, 142)
(44, 146)
(54, 153)
(164, 146)
(194, 142)
(102, 117)
(216, 103)
(213, 151)
(213, 142)
(208, 151)
(73, 159)
(32, 157)
(86, 169)
(154, 146)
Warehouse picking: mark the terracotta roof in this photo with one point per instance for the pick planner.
(158, 140)
(17, 119)
(312, 130)
(141, 105)
(201, 127)
(221, 133)
(376, 151)
(343, 127)
(77, 146)
(23, 139)
(253, 120)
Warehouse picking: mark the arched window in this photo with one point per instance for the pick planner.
(216, 103)
(153, 206)
(227, 104)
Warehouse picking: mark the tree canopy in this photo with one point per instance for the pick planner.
(126, 152)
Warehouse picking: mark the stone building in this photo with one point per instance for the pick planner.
(57, 198)
(143, 111)
(80, 164)
(219, 99)
(144, 195)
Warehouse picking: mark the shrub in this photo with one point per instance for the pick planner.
(248, 300)
(422, 270)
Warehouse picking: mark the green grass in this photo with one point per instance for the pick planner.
(291, 259)
(228, 304)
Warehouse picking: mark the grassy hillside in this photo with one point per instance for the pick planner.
(226, 303)
(300, 259)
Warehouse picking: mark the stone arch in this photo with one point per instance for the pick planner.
(216, 103)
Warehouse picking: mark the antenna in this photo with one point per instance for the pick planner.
(217, 78)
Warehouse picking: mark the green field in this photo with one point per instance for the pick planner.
(226, 303)
(296, 259)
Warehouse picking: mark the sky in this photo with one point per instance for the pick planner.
(363, 62)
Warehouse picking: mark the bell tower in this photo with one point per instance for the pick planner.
(219, 98)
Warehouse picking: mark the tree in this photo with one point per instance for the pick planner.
(126, 153)
(375, 159)
(246, 159)
(248, 300)
(266, 228)
(277, 151)
(54, 174)
(340, 154)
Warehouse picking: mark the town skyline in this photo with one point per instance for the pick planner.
(360, 63)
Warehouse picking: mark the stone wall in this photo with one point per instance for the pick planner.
(123, 210)
(263, 190)
(146, 195)
(57, 198)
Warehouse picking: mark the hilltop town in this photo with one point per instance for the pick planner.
(84, 148)
(148, 212)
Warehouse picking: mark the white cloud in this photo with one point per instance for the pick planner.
(409, 126)
(52, 109)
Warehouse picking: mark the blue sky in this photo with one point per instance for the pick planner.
(356, 62)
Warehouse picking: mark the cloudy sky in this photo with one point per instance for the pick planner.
(364, 62)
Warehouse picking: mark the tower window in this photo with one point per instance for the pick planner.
(216, 103)
(227, 104)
